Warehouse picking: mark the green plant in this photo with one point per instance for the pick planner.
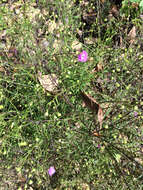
(140, 2)
(39, 129)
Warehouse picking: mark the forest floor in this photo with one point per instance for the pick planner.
(71, 95)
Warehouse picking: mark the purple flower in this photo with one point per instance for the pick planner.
(82, 57)
(51, 171)
(135, 114)
(98, 146)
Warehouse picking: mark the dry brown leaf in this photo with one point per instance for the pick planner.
(90, 102)
(95, 133)
(76, 45)
(57, 45)
(99, 66)
(132, 35)
(121, 41)
(100, 116)
(48, 82)
(52, 26)
(135, 5)
(114, 10)
(89, 41)
(139, 160)
(2, 70)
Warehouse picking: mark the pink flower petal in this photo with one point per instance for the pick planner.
(51, 171)
(82, 57)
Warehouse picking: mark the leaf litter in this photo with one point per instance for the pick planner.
(49, 82)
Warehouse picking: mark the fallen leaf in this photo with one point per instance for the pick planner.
(2, 70)
(135, 5)
(52, 26)
(77, 125)
(95, 133)
(98, 67)
(139, 160)
(132, 35)
(100, 116)
(49, 82)
(57, 45)
(90, 102)
(76, 45)
(121, 41)
(114, 10)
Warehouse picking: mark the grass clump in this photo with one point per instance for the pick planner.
(39, 128)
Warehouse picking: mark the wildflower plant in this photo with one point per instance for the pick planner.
(39, 127)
